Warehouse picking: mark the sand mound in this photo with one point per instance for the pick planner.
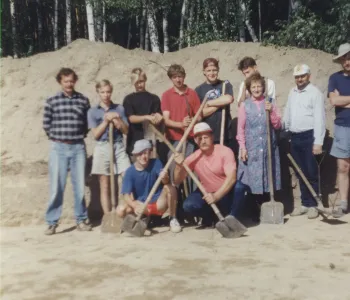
(27, 82)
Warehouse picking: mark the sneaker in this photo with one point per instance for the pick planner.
(84, 225)
(298, 211)
(175, 226)
(344, 205)
(51, 229)
(312, 213)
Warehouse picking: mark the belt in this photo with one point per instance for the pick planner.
(70, 142)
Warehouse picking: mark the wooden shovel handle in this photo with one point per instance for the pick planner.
(189, 171)
(223, 117)
(111, 165)
(166, 167)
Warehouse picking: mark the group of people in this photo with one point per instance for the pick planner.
(210, 150)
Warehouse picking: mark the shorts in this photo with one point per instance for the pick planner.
(101, 159)
(341, 142)
(153, 210)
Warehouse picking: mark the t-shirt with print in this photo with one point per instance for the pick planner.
(176, 105)
(96, 117)
(213, 169)
(139, 104)
(341, 82)
(140, 183)
(214, 91)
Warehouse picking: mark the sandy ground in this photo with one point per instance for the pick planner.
(290, 261)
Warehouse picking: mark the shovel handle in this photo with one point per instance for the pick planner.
(178, 147)
(307, 183)
(189, 172)
(111, 165)
(223, 117)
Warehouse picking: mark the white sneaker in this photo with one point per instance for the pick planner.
(298, 211)
(344, 205)
(175, 226)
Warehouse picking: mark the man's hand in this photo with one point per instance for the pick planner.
(209, 198)
(268, 106)
(138, 207)
(150, 118)
(243, 154)
(317, 149)
(179, 158)
(111, 115)
(334, 94)
(164, 176)
(117, 123)
(186, 122)
(157, 118)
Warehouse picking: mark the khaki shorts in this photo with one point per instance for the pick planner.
(101, 157)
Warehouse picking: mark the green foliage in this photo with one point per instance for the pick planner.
(307, 29)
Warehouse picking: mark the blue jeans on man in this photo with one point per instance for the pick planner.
(64, 157)
(301, 150)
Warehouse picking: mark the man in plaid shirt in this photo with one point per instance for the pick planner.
(65, 123)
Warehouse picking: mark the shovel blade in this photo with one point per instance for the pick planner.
(230, 227)
(111, 223)
(272, 213)
(133, 226)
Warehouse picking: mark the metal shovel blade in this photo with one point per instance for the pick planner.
(111, 223)
(133, 226)
(230, 227)
(272, 213)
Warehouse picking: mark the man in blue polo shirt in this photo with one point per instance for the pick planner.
(339, 95)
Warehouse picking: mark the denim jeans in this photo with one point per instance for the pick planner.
(64, 157)
(301, 150)
(196, 206)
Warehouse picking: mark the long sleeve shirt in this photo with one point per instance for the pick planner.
(275, 119)
(305, 110)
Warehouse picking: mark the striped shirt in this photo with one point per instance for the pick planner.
(65, 118)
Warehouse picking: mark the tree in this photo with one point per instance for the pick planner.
(68, 22)
(90, 20)
(152, 28)
(182, 23)
(14, 29)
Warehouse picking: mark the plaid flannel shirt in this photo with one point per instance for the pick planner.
(66, 118)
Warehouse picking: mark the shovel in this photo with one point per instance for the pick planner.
(134, 224)
(321, 209)
(272, 212)
(223, 117)
(229, 227)
(110, 221)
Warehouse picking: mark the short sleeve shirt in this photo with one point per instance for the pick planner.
(139, 183)
(213, 169)
(96, 116)
(214, 91)
(179, 106)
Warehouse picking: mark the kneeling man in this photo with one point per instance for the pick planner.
(215, 166)
(138, 181)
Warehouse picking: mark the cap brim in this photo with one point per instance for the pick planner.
(204, 131)
(335, 59)
(139, 151)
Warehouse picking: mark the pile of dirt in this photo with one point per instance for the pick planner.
(26, 83)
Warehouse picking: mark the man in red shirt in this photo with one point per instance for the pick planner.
(179, 105)
(215, 166)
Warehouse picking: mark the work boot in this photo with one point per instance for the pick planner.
(51, 229)
(298, 211)
(312, 213)
(175, 226)
(84, 225)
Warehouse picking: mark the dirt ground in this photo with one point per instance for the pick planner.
(300, 260)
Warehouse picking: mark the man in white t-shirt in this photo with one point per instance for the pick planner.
(248, 67)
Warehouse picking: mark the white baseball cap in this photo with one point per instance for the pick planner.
(201, 127)
(301, 70)
(141, 145)
(342, 50)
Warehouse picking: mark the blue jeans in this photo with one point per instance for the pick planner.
(64, 157)
(301, 150)
(196, 206)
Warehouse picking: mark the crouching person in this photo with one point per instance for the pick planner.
(138, 181)
(215, 166)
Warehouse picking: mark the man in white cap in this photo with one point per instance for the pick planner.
(339, 95)
(304, 118)
(138, 181)
(215, 166)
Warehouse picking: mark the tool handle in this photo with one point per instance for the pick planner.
(189, 172)
(166, 167)
(185, 181)
(307, 183)
(223, 117)
(111, 164)
(269, 156)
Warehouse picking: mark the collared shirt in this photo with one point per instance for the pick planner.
(65, 117)
(96, 116)
(305, 110)
(177, 107)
